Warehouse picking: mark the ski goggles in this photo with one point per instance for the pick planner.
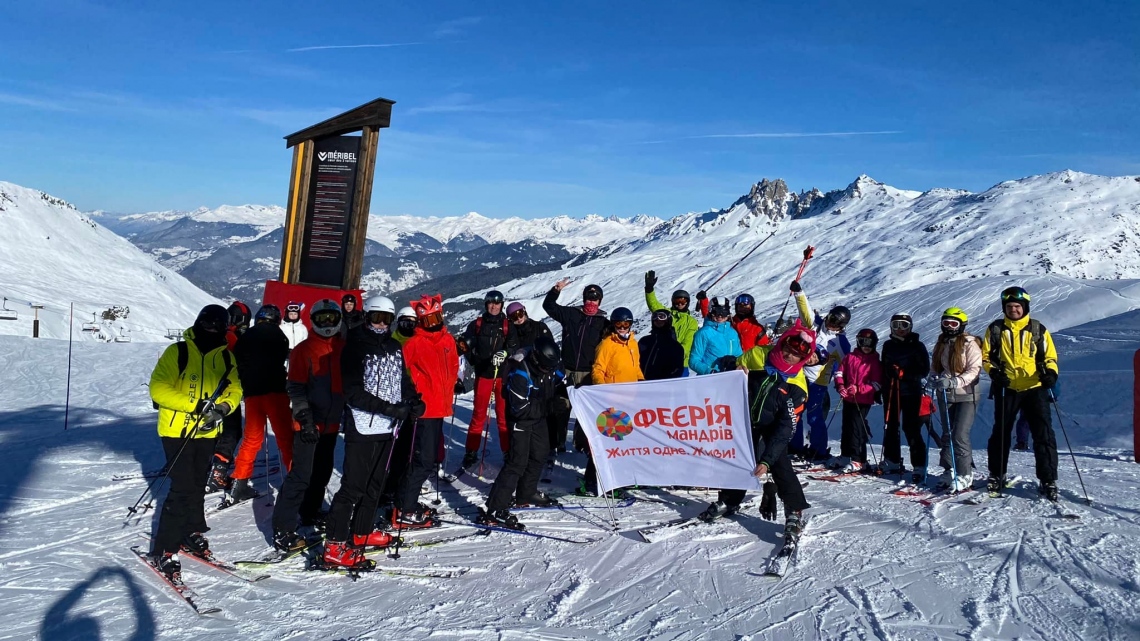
(797, 346)
(405, 323)
(431, 319)
(900, 324)
(293, 307)
(866, 341)
(951, 324)
(680, 302)
(623, 324)
(325, 318)
(518, 315)
(212, 325)
(661, 315)
(377, 317)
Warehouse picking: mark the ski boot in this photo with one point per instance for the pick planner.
(197, 545)
(1021, 446)
(945, 480)
(169, 565)
(499, 518)
(242, 491)
(374, 539)
(918, 476)
(892, 467)
(717, 509)
(838, 462)
(1049, 490)
(339, 554)
(793, 526)
(469, 459)
(289, 542)
(538, 499)
(219, 476)
(852, 467)
(962, 483)
(419, 517)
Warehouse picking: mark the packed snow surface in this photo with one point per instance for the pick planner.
(871, 564)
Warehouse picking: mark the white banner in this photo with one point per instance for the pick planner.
(691, 431)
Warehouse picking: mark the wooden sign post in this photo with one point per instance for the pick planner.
(326, 222)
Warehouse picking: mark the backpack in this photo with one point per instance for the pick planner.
(1036, 333)
(184, 360)
(479, 326)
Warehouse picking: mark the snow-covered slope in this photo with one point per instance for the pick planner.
(265, 217)
(882, 250)
(53, 255)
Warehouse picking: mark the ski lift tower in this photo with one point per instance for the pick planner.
(330, 189)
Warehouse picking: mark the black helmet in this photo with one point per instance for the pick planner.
(493, 296)
(1015, 295)
(867, 338)
(839, 316)
(621, 314)
(545, 354)
(238, 314)
(213, 319)
(682, 294)
(719, 307)
(592, 292)
(268, 314)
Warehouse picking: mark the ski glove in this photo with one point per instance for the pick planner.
(309, 434)
(460, 388)
(843, 393)
(878, 397)
(702, 295)
(211, 421)
(650, 280)
(499, 357)
(943, 382)
(1048, 378)
(768, 503)
(795, 286)
(997, 375)
(725, 364)
(204, 406)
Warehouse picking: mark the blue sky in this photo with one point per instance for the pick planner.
(535, 109)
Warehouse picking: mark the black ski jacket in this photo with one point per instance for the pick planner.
(485, 336)
(261, 352)
(529, 392)
(581, 332)
(524, 336)
(661, 355)
(374, 380)
(774, 405)
(909, 356)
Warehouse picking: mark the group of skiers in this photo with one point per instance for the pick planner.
(388, 381)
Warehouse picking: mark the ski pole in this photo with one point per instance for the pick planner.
(708, 287)
(1003, 456)
(225, 382)
(1053, 398)
(948, 434)
(803, 264)
(867, 430)
(411, 453)
(441, 467)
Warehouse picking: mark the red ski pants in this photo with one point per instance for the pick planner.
(483, 388)
(274, 408)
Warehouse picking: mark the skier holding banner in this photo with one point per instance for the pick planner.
(777, 391)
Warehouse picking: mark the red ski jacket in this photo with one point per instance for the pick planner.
(433, 363)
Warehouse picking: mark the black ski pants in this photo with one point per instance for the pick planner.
(853, 439)
(425, 448)
(303, 491)
(1034, 406)
(401, 453)
(530, 446)
(353, 509)
(183, 510)
(787, 488)
(227, 441)
(911, 426)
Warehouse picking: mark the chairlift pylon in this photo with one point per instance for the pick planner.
(8, 314)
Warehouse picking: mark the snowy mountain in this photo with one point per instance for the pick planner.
(53, 255)
(880, 250)
(231, 251)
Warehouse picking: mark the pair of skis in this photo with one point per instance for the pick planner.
(184, 591)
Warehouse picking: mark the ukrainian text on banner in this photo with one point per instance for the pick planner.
(682, 431)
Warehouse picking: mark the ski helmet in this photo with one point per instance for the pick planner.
(901, 321)
(238, 314)
(867, 338)
(798, 339)
(545, 354)
(621, 314)
(661, 318)
(592, 292)
(745, 300)
(293, 308)
(839, 316)
(493, 296)
(954, 321)
(1015, 295)
(680, 294)
(213, 319)
(406, 321)
(346, 299)
(719, 307)
(513, 310)
(268, 314)
(429, 312)
(406, 312)
(325, 317)
(379, 309)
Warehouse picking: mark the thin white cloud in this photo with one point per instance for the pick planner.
(781, 134)
(364, 46)
(33, 102)
(456, 27)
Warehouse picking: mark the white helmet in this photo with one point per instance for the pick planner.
(325, 317)
(406, 312)
(379, 304)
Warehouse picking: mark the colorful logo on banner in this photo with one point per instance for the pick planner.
(615, 423)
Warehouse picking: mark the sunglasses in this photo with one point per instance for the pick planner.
(519, 315)
(325, 318)
(622, 324)
(380, 318)
(951, 323)
(900, 324)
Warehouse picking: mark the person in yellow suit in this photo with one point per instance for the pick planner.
(617, 360)
(194, 385)
(1019, 355)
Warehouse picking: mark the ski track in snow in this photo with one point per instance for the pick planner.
(872, 565)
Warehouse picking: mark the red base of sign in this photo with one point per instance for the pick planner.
(281, 294)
